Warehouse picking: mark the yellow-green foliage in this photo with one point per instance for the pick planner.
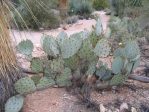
(100, 4)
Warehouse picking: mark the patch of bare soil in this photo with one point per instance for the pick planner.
(134, 93)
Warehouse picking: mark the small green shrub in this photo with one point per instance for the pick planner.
(80, 7)
(41, 15)
(100, 4)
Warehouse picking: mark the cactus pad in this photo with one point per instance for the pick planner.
(118, 80)
(57, 65)
(37, 65)
(25, 47)
(14, 104)
(64, 78)
(50, 45)
(132, 49)
(117, 65)
(25, 85)
(45, 82)
(86, 51)
(72, 62)
(102, 48)
(70, 46)
(99, 28)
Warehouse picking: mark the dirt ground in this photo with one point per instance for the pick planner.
(134, 93)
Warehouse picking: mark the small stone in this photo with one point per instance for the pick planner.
(109, 111)
(124, 107)
(102, 108)
(117, 110)
(133, 109)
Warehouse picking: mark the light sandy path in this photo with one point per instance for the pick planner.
(77, 27)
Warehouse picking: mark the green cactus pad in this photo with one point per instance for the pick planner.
(64, 78)
(36, 79)
(45, 82)
(71, 45)
(57, 65)
(94, 39)
(119, 52)
(61, 37)
(118, 80)
(50, 45)
(91, 69)
(14, 104)
(99, 28)
(25, 47)
(102, 48)
(86, 51)
(25, 85)
(132, 49)
(108, 33)
(117, 65)
(37, 65)
(72, 62)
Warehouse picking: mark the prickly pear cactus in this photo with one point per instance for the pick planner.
(61, 37)
(132, 50)
(86, 51)
(50, 45)
(102, 48)
(37, 65)
(118, 80)
(36, 79)
(91, 69)
(64, 78)
(25, 47)
(14, 104)
(45, 82)
(108, 33)
(25, 85)
(72, 62)
(120, 52)
(57, 65)
(71, 45)
(117, 65)
(99, 28)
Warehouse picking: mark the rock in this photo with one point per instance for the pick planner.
(109, 111)
(124, 107)
(133, 109)
(102, 108)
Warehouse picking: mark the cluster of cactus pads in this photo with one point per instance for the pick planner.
(75, 56)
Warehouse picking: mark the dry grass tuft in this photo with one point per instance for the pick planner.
(9, 71)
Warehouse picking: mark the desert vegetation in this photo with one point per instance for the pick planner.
(77, 61)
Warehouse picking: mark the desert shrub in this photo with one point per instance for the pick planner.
(43, 14)
(100, 4)
(80, 7)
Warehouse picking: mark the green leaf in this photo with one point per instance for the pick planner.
(25, 85)
(14, 104)
(37, 65)
(25, 47)
(117, 65)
